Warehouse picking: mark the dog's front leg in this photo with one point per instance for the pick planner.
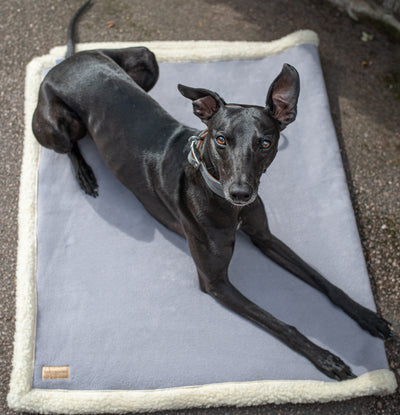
(255, 224)
(212, 256)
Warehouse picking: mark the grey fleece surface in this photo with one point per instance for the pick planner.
(118, 297)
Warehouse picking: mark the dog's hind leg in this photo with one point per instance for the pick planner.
(58, 128)
(138, 62)
(255, 224)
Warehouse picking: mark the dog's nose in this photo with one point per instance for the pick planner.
(240, 192)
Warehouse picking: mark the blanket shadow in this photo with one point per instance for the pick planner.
(128, 215)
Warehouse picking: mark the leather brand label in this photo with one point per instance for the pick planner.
(55, 372)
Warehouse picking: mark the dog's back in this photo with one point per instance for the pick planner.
(138, 149)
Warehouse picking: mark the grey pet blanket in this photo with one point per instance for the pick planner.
(118, 322)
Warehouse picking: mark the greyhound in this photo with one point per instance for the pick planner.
(201, 185)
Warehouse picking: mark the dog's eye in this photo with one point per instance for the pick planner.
(265, 144)
(221, 141)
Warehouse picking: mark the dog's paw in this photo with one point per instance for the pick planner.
(332, 366)
(375, 324)
(87, 180)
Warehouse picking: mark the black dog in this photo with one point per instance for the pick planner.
(205, 188)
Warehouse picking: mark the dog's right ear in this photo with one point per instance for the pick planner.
(205, 103)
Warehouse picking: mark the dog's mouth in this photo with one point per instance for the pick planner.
(240, 204)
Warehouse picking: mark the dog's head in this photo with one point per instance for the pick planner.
(242, 140)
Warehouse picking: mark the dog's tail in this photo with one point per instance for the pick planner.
(72, 26)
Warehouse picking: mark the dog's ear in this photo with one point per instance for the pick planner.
(283, 95)
(205, 103)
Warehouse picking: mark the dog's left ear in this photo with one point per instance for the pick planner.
(283, 95)
(205, 103)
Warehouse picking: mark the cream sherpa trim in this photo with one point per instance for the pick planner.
(23, 397)
(219, 394)
(207, 50)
